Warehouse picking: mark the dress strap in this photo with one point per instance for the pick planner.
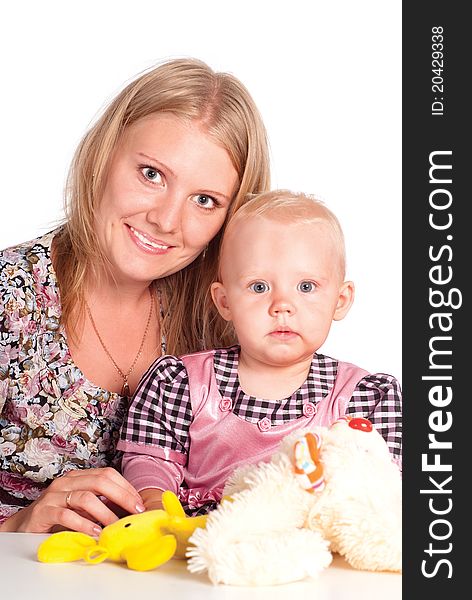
(201, 378)
(347, 378)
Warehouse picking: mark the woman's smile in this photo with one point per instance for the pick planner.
(146, 243)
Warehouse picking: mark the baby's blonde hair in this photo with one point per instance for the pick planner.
(289, 207)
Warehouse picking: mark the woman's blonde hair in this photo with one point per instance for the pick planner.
(225, 110)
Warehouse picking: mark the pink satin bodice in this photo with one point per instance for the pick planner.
(221, 441)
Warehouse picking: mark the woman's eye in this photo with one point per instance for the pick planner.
(306, 287)
(259, 287)
(151, 174)
(205, 201)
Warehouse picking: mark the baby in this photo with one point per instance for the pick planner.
(195, 418)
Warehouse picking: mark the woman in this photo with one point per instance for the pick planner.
(87, 308)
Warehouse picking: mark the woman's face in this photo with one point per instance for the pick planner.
(166, 196)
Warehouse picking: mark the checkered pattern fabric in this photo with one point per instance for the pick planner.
(160, 413)
(379, 398)
(317, 385)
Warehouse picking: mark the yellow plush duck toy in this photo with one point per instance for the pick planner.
(143, 541)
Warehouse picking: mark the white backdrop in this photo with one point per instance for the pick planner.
(327, 80)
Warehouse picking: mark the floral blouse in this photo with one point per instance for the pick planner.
(52, 420)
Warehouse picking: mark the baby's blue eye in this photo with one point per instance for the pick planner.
(205, 201)
(306, 287)
(259, 287)
(151, 174)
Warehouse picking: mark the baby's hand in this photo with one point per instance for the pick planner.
(152, 498)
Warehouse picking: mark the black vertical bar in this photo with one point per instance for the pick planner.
(436, 299)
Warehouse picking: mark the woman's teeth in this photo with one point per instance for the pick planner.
(147, 241)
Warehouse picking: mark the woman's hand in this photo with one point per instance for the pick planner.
(72, 502)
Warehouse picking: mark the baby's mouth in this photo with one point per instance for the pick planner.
(283, 332)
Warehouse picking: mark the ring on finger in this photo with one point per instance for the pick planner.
(68, 498)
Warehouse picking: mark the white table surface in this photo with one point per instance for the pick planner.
(22, 576)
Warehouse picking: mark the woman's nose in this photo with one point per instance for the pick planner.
(167, 213)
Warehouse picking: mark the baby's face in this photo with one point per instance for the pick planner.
(281, 287)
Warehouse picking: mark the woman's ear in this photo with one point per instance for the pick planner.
(345, 300)
(218, 294)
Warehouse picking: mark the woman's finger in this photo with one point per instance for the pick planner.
(102, 482)
(48, 513)
(87, 505)
(106, 473)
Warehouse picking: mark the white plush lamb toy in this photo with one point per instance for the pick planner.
(326, 490)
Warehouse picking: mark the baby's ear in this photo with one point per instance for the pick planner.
(218, 293)
(345, 300)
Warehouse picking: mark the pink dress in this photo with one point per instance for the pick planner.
(220, 441)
